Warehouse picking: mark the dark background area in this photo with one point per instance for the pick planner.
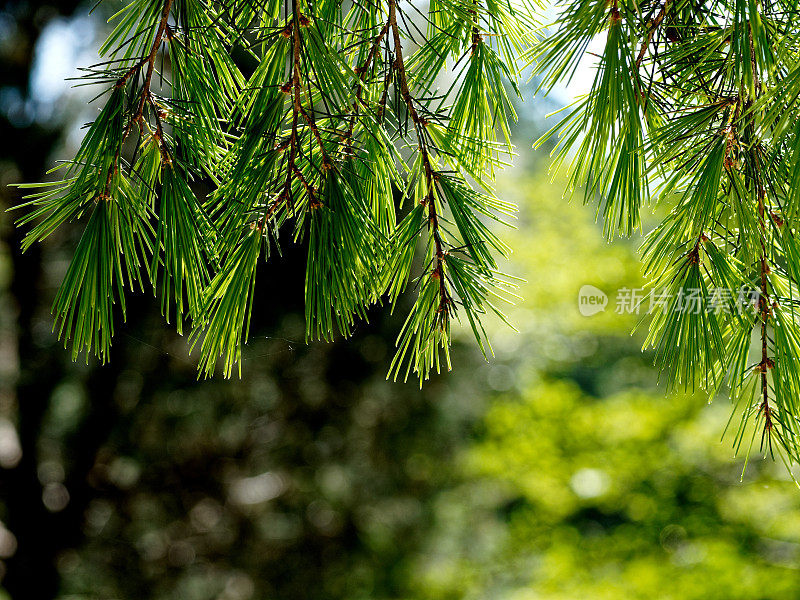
(138, 481)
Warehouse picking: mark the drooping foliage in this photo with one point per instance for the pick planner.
(326, 123)
(694, 107)
(335, 125)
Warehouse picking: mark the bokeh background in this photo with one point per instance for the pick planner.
(559, 470)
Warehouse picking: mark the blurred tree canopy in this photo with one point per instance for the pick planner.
(586, 480)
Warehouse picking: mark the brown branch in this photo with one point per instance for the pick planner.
(159, 133)
(387, 80)
(130, 72)
(405, 93)
(294, 87)
(651, 31)
(477, 38)
(359, 86)
(296, 106)
(419, 125)
(764, 307)
(137, 117)
(764, 302)
(151, 59)
(312, 125)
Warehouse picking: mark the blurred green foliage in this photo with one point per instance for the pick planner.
(558, 471)
(586, 480)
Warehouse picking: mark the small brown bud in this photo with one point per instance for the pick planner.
(766, 365)
(673, 35)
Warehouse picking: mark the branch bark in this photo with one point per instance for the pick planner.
(419, 124)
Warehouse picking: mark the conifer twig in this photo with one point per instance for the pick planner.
(420, 124)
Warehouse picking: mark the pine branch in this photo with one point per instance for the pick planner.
(291, 168)
(710, 127)
(267, 145)
(437, 272)
(651, 31)
(358, 88)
